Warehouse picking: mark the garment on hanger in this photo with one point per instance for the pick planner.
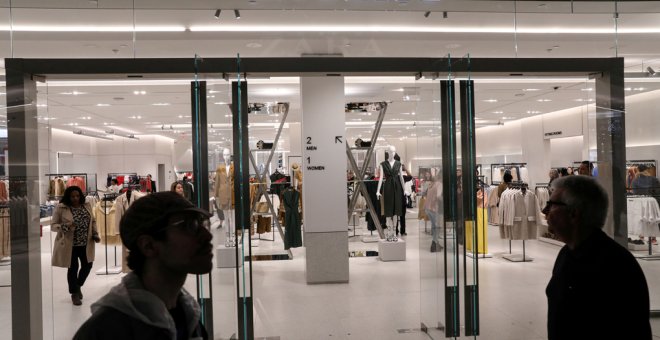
(517, 215)
(292, 233)
(104, 212)
(4, 190)
(122, 202)
(224, 187)
(643, 216)
(392, 189)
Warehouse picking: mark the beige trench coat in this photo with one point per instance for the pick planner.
(63, 247)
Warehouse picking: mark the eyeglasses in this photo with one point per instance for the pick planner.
(193, 224)
(550, 203)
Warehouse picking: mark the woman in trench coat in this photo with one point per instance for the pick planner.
(76, 234)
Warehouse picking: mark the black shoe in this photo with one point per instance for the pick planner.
(404, 234)
(75, 298)
(433, 247)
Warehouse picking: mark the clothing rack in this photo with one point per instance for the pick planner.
(507, 166)
(516, 257)
(83, 175)
(650, 255)
(107, 270)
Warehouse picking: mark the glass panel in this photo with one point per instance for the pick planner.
(112, 134)
(220, 158)
(427, 165)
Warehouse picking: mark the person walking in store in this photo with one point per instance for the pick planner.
(114, 186)
(507, 178)
(76, 234)
(177, 187)
(553, 174)
(167, 238)
(152, 183)
(597, 289)
(585, 168)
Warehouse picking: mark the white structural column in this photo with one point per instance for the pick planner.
(324, 169)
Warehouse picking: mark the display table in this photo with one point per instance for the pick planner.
(392, 251)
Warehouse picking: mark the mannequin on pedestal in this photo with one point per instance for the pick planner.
(391, 180)
(224, 195)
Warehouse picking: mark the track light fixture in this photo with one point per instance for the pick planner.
(125, 135)
(90, 134)
(444, 14)
(217, 13)
(237, 14)
(650, 71)
(427, 13)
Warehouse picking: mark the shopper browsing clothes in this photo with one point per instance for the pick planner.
(597, 289)
(177, 187)
(76, 234)
(168, 238)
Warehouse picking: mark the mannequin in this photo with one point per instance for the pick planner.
(224, 190)
(390, 170)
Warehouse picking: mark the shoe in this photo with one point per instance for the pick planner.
(433, 247)
(75, 298)
(404, 234)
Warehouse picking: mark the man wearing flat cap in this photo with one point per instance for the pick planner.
(167, 238)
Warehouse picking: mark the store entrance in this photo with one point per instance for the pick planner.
(286, 137)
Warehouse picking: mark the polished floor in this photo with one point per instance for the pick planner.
(383, 300)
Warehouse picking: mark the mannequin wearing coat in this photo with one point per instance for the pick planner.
(76, 234)
(224, 191)
(391, 203)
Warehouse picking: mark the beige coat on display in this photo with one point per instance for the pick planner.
(63, 246)
(224, 187)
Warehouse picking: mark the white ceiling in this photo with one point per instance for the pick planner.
(290, 28)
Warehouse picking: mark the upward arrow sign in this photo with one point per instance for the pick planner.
(338, 139)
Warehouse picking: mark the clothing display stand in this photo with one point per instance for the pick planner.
(506, 166)
(261, 180)
(484, 224)
(107, 270)
(518, 257)
(360, 172)
(84, 176)
(511, 256)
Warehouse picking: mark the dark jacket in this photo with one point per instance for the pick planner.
(129, 311)
(597, 291)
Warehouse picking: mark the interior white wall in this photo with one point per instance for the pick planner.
(98, 156)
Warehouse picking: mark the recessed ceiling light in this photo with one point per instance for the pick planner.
(141, 92)
(531, 90)
(498, 112)
(180, 116)
(533, 111)
(543, 100)
(490, 100)
(161, 104)
(639, 88)
(86, 118)
(74, 93)
(135, 117)
(508, 117)
(214, 91)
(584, 100)
(42, 105)
(589, 89)
(102, 104)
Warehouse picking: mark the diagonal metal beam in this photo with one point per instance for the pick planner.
(367, 198)
(374, 138)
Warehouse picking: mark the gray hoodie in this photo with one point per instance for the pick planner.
(129, 311)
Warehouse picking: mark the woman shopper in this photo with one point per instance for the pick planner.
(76, 234)
(177, 187)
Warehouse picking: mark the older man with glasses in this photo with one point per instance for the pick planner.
(597, 289)
(167, 238)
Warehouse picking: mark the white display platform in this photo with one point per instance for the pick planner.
(518, 258)
(225, 257)
(110, 271)
(392, 251)
(368, 237)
